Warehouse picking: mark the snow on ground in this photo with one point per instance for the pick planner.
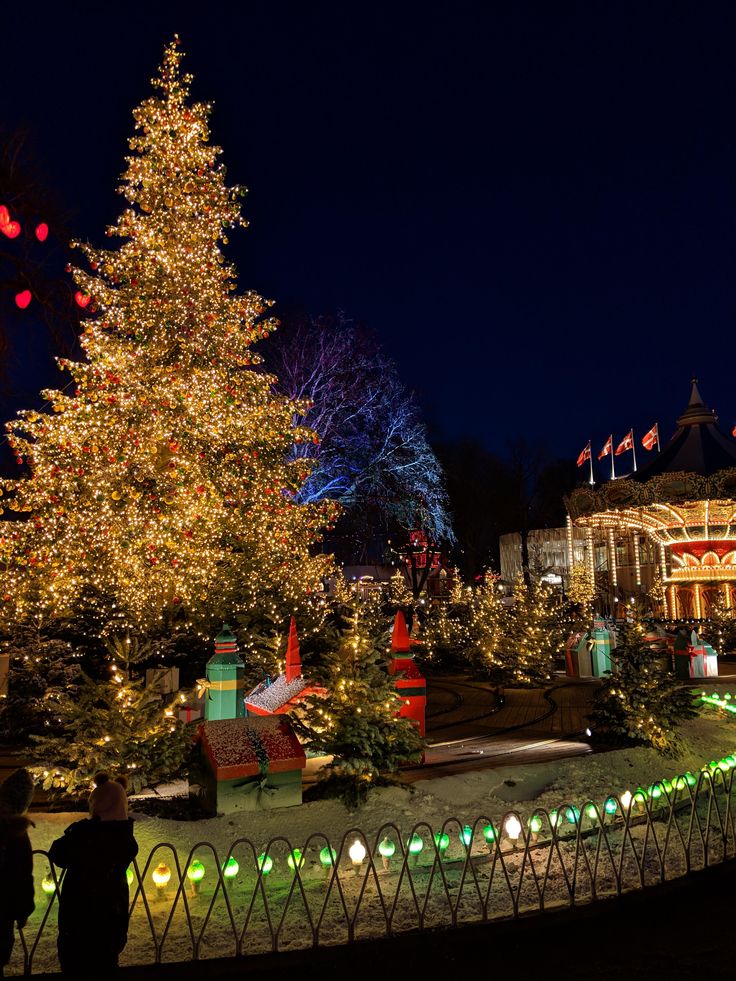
(488, 793)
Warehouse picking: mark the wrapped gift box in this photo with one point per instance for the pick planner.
(577, 657)
(601, 652)
(251, 763)
(165, 679)
(703, 662)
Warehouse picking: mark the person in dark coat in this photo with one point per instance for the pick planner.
(93, 904)
(16, 859)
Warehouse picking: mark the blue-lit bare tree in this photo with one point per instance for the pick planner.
(373, 455)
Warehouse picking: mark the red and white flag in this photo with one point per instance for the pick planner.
(627, 443)
(651, 439)
(607, 449)
(585, 455)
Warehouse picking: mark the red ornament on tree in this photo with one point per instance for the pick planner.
(42, 231)
(82, 299)
(4, 216)
(23, 298)
(12, 229)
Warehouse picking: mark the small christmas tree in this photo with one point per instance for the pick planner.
(163, 477)
(357, 722)
(642, 702)
(581, 591)
(119, 725)
(518, 638)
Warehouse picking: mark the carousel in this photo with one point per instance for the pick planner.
(668, 529)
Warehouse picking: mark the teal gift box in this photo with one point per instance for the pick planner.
(600, 653)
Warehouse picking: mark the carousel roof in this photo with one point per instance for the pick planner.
(698, 445)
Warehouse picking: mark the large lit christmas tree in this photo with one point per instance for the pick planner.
(161, 480)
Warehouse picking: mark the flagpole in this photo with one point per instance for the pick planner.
(613, 469)
(633, 448)
(590, 461)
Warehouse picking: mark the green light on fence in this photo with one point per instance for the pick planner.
(667, 786)
(48, 885)
(295, 860)
(195, 872)
(535, 824)
(265, 863)
(690, 779)
(724, 766)
(679, 783)
(611, 805)
(466, 836)
(572, 814)
(231, 868)
(655, 791)
(489, 833)
(327, 856)
(442, 841)
(129, 875)
(554, 817)
(591, 812)
(386, 848)
(415, 844)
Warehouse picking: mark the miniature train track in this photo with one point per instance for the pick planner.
(459, 700)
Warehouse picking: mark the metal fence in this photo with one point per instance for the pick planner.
(281, 896)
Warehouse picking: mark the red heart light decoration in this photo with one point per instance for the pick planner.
(12, 229)
(23, 298)
(4, 216)
(82, 299)
(42, 231)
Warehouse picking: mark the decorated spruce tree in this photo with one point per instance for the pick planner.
(516, 638)
(118, 725)
(357, 720)
(641, 702)
(160, 478)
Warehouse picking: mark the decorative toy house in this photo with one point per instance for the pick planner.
(275, 696)
(410, 683)
(251, 764)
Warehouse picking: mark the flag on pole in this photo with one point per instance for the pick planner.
(627, 443)
(608, 448)
(585, 455)
(651, 439)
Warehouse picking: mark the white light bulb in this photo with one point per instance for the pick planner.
(512, 827)
(357, 852)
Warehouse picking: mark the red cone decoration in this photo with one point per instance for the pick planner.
(293, 660)
(400, 639)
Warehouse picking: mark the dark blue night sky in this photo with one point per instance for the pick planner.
(534, 205)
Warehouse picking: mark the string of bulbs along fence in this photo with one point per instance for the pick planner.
(543, 828)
